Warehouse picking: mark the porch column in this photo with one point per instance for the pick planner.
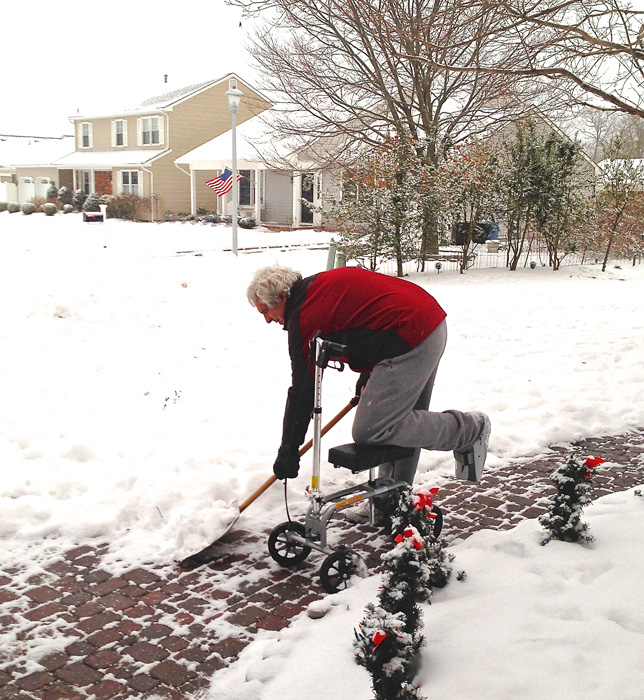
(258, 208)
(297, 196)
(193, 192)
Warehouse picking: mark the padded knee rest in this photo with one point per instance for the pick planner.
(358, 458)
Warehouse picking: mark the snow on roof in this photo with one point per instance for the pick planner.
(32, 150)
(256, 144)
(108, 159)
(173, 96)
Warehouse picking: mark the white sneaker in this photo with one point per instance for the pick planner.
(361, 513)
(470, 462)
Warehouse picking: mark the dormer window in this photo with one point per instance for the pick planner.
(150, 131)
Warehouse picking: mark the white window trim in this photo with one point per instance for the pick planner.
(90, 135)
(139, 130)
(114, 123)
(139, 184)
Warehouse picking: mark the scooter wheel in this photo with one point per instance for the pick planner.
(337, 569)
(284, 550)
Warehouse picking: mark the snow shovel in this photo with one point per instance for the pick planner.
(207, 554)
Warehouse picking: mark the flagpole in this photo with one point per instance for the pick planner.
(234, 98)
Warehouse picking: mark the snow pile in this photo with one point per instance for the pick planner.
(142, 395)
(529, 621)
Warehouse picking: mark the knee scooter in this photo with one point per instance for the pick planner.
(291, 542)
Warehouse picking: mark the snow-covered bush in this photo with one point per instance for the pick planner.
(386, 651)
(68, 208)
(13, 207)
(49, 208)
(3, 206)
(28, 208)
(65, 195)
(92, 203)
(52, 192)
(79, 199)
(246, 222)
(573, 481)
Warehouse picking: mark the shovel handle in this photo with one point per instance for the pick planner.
(303, 450)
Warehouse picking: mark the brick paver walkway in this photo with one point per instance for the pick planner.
(163, 632)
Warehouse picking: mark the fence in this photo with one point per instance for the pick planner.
(449, 260)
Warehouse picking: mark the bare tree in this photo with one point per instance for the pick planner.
(592, 51)
(369, 69)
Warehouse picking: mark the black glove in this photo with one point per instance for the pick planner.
(362, 383)
(287, 464)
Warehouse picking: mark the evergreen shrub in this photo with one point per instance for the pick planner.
(65, 195)
(573, 482)
(13, 207)
(28, 208)
(92, 203)
(49, 208)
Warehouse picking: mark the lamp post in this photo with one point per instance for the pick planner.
(234, 98)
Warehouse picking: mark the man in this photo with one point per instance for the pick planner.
(395, 333)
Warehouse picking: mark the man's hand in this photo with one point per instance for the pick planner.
(287, 464)
(362, 383)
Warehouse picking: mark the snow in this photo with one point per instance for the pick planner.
(530, 622)
(142, 397)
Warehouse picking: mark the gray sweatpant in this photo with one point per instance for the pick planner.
(393, 408)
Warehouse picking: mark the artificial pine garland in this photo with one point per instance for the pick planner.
(573, 481)
(390, 636)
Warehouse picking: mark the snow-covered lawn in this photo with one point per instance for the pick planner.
(141, 394)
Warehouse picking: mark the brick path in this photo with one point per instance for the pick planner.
(163, 632)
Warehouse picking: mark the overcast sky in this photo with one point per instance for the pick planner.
(62, 59)
(59, 58)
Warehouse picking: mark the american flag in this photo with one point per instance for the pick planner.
(224, 183)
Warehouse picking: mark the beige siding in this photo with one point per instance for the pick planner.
(192, 123)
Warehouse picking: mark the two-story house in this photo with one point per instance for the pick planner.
(134, 151)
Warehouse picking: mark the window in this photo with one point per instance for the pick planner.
(119, 133)
(245, 188)
(85, 135)
(130, 182)
(87, 182)
(150, 131)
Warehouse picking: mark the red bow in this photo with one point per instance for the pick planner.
(410, 533)
(423, 500)
(378, 638)
(594, 462)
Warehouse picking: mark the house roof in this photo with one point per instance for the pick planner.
(108, 159)
(166, 101)
(257, 146)
(32, 150)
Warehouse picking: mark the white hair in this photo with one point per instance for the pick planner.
(270, 283)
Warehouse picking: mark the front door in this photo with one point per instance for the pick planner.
(308, 184)
(103, 182)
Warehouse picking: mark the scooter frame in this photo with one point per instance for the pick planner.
(313, 535)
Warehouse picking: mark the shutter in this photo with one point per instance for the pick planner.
(113, 130)
(124, 132)
(90, 126)
(79, 126)
(162, 129)
(139, 131)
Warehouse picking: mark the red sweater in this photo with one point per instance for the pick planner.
(376, 316)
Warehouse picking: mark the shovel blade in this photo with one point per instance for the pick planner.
(209, 552)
